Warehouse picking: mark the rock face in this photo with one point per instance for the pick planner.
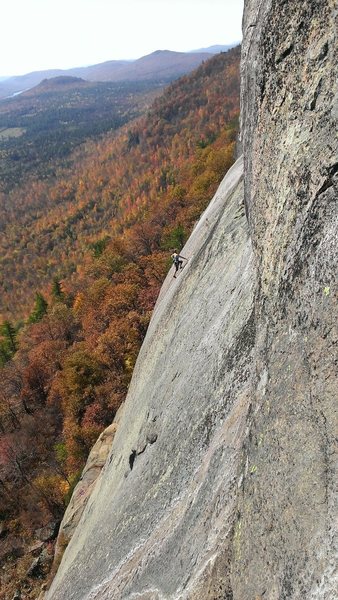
(219, 484)
(158, 524)
(285, 511)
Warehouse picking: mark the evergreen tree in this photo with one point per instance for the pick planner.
(176, 238)
(39, 310)
(99, 246)
(4, 354)
(57, 292)
(9, 334)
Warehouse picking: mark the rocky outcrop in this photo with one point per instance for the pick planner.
(219, 483)
(96, 461)
(48, 532)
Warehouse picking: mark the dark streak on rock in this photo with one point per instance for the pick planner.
(132, 459)
(284, 54)
(151, 439)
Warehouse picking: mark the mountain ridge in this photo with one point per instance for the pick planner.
(173, 65)
(216, 48)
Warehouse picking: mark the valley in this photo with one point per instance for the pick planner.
(41, 127)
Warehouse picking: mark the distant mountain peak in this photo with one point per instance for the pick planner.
(62, 80)
(56, 83)
(215, 49)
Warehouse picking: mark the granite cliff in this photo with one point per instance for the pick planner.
(220, 480)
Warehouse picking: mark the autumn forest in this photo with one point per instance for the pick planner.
(84, 250)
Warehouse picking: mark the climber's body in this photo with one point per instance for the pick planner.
(177, 262)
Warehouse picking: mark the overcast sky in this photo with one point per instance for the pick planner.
(45, 34)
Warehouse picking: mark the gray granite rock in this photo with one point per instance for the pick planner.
(285, 542)
(36, 548)
(47, 533)
(159, 522)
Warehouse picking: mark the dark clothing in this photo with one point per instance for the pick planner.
(178, 264)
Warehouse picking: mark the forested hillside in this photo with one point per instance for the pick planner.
(93, 247)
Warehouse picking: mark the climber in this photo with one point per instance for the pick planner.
(178, 263)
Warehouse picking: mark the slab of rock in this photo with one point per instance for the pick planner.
(40, 565)
(159, 521)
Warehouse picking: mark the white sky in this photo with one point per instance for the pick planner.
(45, 34)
